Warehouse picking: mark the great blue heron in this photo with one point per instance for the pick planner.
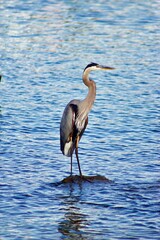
(75, 116)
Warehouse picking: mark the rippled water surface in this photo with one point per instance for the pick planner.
(44, 47)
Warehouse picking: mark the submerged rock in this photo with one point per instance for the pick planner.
(80, 179)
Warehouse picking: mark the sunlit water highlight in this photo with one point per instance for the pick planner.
(44, 47)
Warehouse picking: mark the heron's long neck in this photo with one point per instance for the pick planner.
(86, 104)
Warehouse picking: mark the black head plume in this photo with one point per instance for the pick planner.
(91, 65)
(96, 66)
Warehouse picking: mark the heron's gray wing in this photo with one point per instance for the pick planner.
(68, 123)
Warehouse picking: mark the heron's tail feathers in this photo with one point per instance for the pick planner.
(68, 149)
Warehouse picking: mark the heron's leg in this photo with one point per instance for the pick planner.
(71, 165)
(76, 151)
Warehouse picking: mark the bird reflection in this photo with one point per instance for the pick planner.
(74, 221)
(73, 224)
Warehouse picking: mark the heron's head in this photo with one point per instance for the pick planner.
(96, 66)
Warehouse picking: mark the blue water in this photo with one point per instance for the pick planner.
(44, 47)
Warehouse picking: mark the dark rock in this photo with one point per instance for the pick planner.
(80, 179)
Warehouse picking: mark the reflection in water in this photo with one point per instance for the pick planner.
(74, 220)
(73, 223)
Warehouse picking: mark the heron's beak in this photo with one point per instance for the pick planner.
(101, 67)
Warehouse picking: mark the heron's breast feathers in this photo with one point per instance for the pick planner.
(80, 124)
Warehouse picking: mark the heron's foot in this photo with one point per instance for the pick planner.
(76, 179)
(85, 178)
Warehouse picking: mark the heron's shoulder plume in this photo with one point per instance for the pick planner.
(91, 65)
